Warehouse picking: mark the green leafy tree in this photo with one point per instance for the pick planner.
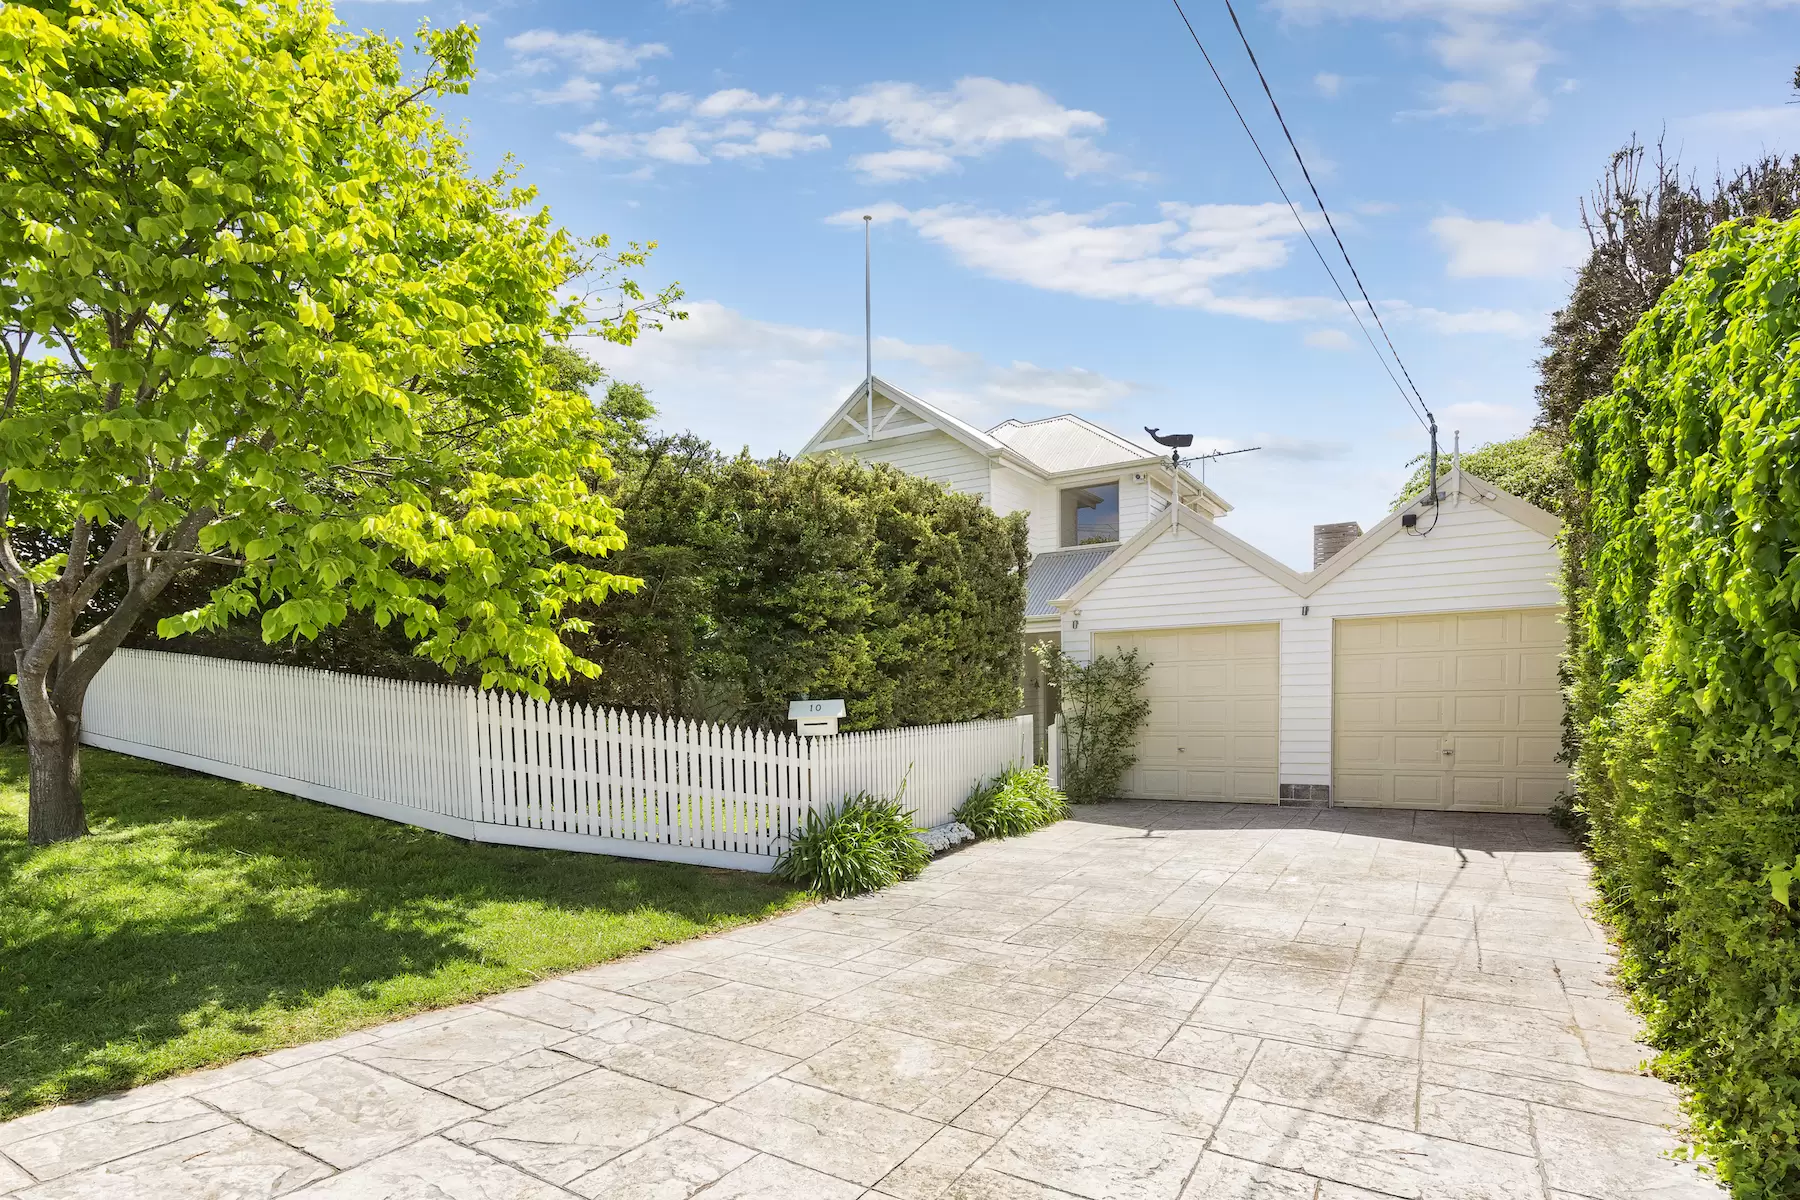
(258, 315)
(1530, 467)
(1104, 706)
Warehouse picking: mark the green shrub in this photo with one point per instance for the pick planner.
(862, 845)
(1103, 708)
(1017, 801)
(1686, 687)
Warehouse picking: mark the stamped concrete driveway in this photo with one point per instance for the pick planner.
(1145, 1001)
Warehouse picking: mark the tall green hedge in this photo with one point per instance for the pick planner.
(769, 578)
(1686, 687)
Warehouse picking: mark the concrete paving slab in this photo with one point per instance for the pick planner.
(1148, 1000)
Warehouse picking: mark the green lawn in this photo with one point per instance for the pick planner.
(205, 920)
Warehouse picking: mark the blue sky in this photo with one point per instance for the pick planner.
(1071, 220)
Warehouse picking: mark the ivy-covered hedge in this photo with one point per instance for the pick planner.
(1686, 692)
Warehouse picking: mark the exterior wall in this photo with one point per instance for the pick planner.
(1014, 491)
(1134, 503)
(934, 456)
(1475, 558)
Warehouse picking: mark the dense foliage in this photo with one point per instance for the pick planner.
(764, 580)
(1104, 706)
(1532, 467)
(258, 312)
(1686, 689)
(862, 845)
(1016, 801)
(771, 579)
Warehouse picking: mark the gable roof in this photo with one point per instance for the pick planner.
(898, 413)
(1304, 584)
(1068, 443)
(1054, 446)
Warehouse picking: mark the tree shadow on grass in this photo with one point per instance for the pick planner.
(207, 919)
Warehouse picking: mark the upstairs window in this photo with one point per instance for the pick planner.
(1090, 514)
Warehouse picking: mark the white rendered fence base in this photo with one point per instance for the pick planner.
(495, 767)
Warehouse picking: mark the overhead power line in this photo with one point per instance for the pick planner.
(1415, 402)
(1320, 201)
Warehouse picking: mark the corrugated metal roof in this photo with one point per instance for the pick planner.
(1055, 572)
(1067, 443)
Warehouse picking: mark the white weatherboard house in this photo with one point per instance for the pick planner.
(1415, 667)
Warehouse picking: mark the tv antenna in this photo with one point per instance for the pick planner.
(1176, 443)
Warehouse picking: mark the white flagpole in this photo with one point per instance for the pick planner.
(868, 338)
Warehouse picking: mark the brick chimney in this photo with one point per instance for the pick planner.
(1329, 539)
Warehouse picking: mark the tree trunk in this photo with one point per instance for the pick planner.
(56, 813)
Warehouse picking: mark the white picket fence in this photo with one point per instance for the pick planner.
(496, 767)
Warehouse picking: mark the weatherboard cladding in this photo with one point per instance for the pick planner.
(1055, 573)
(1475, 558)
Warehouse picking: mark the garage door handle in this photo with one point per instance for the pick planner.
(1449, 752)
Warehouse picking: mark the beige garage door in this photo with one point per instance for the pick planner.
(1456, 711)
(1213, 697)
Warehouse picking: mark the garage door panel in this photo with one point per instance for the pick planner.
(1204, 644)
(1538, 794)
(1480, 685)
(1215, 713)
(1540, 711)
(1158, 784)
(1207, 748)
(1367, 675)
(1538, 669)
(1478, 793)
(1205, 714)
(1364, 712)
(1414, 711)
(1417, 790)
(1416, 751)
(1253, 714)
(1428, 633)
(1254, 678)
(1539, 752)
(1254, 787)
(1430, 671)
(1204, 679)
(1256, 641)
(1481, 670)
(1365, 636)
(1487, 629)
(1541, 627)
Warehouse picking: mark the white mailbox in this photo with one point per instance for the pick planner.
(812, 718)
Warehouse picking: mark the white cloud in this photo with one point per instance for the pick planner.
(976, 116)
(1174, 261)
(772, 143)
(1498, 74)
(1328, 84)
(577, 89)
(1537, 249)
(1500, 321)
(541, 49)
(889, 166)
(740, 381)
(1328, 339)
(1761, 122)
(929, 131)
(736, 100)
